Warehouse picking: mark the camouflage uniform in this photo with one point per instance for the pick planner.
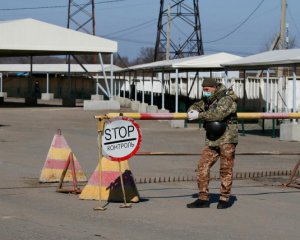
(221, 106)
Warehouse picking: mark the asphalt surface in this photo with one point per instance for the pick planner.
(261, 208)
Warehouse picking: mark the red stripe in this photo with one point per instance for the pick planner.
(275, 115)
(59, 142)
(58, 164)
(110, 178)
(157, 116)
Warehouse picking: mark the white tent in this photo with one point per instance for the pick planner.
(197, 63)
(29, 37)
(203, 62)
(213, 61)
(32, 37)
(266, 59)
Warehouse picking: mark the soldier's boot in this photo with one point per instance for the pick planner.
(198, 204)
(223, 204)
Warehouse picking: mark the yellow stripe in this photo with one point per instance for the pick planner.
(53, 175)
(59, 153)
(179, 115)
(249, 115)
(108, 165)
(129, 115)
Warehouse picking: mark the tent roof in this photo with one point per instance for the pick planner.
(266, 59)
(203, 62)
(31, 37)
(56, 68)
(212, 61)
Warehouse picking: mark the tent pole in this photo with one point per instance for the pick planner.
(111, 76)
(97, 82)
(152, 88)
(104, 75)
(124, 84)
(244, 91)
(119, 93)
(47, 83)
(143, 86)
(267, 90)
(135, 84)
(176, 91)
(1, 82)
(162, 91)
(294, 89)
(226, 78)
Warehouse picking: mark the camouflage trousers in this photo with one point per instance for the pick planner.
(209, 156)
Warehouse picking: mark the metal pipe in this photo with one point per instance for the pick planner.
(111, 76)
(294, 88)
(183, 116)
(104, 75)
(1, 82)
(197, 154)
(267, 91)
(152, 88)
(176, 91)
(47, 87)
(97, 81)
(162, 91)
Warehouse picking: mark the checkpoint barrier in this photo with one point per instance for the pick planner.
(56, 160)
(110, 180)
(184, 116)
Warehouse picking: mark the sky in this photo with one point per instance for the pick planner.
(241, 27)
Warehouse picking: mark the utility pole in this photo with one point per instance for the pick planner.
(282, 32)
(282, 24)
(185, 18)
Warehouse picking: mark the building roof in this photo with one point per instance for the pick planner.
(203, 63)
(27, 37)
(267, 59)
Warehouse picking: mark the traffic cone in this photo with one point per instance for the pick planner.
(111, 189)
(56, 160)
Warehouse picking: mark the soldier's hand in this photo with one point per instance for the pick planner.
(193, 114)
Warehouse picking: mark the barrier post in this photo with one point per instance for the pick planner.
(100, 130)
(273, 126)
(125, 205)
(243, 128)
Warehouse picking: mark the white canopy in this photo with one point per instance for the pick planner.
(213, 61)
(56, 68)
(32, 37)
(266, 59)
(203, 62)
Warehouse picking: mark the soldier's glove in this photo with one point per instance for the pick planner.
(193, 114)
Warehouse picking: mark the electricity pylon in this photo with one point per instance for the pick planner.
(178, 30)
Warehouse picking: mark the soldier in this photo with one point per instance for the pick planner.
(217, 108)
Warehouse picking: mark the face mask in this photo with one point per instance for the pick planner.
(206, 94)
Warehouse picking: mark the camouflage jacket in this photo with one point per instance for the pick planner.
(221, 106)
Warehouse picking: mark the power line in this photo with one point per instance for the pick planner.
(241, 24)
(57, 6)
(293, 20)
(131, 28)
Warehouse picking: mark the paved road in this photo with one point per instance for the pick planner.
(29, 210)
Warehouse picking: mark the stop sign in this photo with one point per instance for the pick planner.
(121, 138)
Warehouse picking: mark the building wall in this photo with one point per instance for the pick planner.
(82, 87)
